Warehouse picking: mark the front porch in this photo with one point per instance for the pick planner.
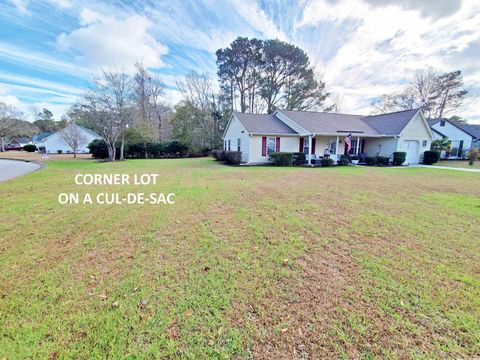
(318, 147)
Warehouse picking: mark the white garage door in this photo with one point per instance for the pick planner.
(411, 148)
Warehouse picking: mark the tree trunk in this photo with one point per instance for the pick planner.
(75, 154)
(122, 145)
(2, 149)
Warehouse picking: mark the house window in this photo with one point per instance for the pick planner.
(224, 144)
(238, 144)
(305, 146)
(354, 148)
(442, 123)
(424, 143)
(270, 145)
(332, 146)
(229, 143)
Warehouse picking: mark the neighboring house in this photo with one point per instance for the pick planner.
(461, 141)
(53, 143)
(18, 143)
(258, 135)
(473, 130)
(38, 138)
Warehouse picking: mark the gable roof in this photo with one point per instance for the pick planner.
(263, 124)
(391, 123)
(41, 136)
(471, 129)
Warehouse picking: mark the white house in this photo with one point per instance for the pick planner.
(55, 142)
(461, 140)
(258, 135)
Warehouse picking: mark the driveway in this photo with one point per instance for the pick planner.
(10, 169)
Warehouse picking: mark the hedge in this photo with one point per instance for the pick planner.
(399, 158)
(299, 158)
(326, 162)
(371, 160)
(382, 160)
(282, 158)
(431, 157)
(171, 149)
(343, 161)
(233, 157)
(30, 148)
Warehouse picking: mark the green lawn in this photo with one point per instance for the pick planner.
(250, 262)
(459, 163)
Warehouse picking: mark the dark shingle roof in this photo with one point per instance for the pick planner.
(391, 123)
(41, 136)
(263, 124)
(473, 130)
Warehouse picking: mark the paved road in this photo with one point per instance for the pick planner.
(10, 169)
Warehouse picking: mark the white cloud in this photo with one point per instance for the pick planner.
(106, 41)
(21, 5)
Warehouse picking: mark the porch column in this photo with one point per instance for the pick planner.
(309, 149)
(358, 145)
(336, 151)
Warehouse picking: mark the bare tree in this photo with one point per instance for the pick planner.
(74, 137)
(10, 125)
(110, 108)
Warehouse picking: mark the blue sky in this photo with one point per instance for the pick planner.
(363, 48)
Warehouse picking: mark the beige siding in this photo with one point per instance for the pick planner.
(287, 144)
(417, 130)
(234, 132)
(380, 146)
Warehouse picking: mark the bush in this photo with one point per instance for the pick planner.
(220, 155)
(98, 149)
(299, 158)
(431, 157)
(160, 150)
(282, 158)
(382, 160)
(59, 151)
(399, 158)
(370, 160)
(472, 156)
(233, 157)
(30, 148)
(343, 161)
(326, 162)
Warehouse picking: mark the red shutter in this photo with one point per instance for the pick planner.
(264, 146)
(277, 144)
(300, 148)
(313, 145)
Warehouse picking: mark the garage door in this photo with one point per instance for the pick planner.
(411, 148)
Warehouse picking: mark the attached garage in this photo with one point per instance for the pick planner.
(411, 147)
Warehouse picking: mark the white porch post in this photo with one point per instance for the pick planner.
(310, 149)
(336, 151)
(358, 145)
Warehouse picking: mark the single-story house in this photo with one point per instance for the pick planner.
(317, 134)
(473, 130)
(18, 142)
(461, 141)
(53, 143)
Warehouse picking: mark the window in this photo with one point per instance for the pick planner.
(354, 148)
(229, 143)
(332, 146)
(305, 146)
(270, 145)
(424, 143)
(224, 144)
(238, 144)
(442, 123)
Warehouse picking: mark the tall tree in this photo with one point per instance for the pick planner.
(73, 137)
(436, 94)
(109, 104)
(11, 124)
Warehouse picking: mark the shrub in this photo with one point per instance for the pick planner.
(343, 161)
(370, 160)
(220, 155)
(399, 157)
(472, 156)
(59, 151)
(98, 149)
(431, 157)
(326, 162)
(282, 158)
(299, 158)
(30, 148)
(382, 160)
(233, 157)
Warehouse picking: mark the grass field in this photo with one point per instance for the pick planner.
(459, 163)
(250, 262)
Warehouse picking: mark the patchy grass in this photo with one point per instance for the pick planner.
(459, 164)
(250, 262)
(35, 156)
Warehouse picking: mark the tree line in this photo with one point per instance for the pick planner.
(254, 76)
